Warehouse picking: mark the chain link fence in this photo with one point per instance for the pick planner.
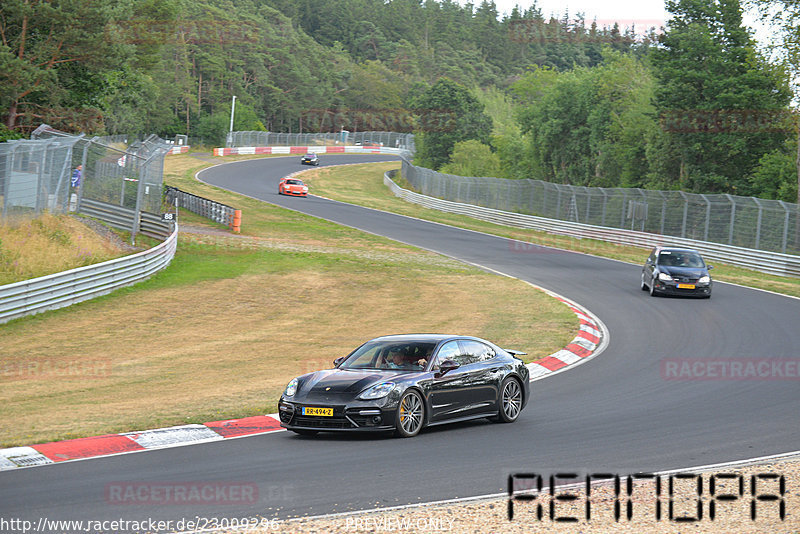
(748, 222)
(387, 139)
(56, 171)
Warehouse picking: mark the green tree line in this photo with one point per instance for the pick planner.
(519, 95)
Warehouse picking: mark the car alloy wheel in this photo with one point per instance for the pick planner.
(410, 414)
(511, 401)
(653, 288)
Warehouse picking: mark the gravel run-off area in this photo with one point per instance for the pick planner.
(733, 504)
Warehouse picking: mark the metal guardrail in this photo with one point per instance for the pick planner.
(123, 218)
(758, 260)
(64, 289)
(210, 209)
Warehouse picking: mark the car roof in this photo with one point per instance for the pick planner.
(676, 249)
(435, 338)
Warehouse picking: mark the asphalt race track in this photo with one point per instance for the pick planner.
(617, 413)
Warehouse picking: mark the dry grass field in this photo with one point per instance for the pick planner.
(220, 332)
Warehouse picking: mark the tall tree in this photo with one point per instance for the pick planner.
(786, 15)
(712, 83)
(449, 114)
(52, 58)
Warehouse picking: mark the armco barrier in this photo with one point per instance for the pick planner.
(63, 289)
(300, 150)
(757, 260)
(210, 209)
(123, 218)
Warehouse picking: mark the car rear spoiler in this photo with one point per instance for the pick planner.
(516, 352)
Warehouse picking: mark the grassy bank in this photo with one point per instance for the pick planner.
(32, 247)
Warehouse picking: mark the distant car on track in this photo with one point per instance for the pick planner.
(292, 186)
(309, 159)
(404, 383)
(676, 271)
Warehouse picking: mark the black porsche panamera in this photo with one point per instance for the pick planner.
(404, 383)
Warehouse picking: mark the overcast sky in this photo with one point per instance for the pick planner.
(644, 13)
(641, 13)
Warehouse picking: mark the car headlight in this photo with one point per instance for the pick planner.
(705, 279)
(664, 277)
(291, 388)
(377, 391)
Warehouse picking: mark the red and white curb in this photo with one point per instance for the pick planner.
(591, 340)
(79, 449)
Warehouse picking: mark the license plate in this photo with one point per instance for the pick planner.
(325, 412)
(685, 286)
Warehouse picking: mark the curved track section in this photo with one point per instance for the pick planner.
(618, 413)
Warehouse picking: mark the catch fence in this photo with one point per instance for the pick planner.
(403, 141)
(58, 172)
(748, 222)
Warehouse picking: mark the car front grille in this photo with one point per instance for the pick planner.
(322, 422)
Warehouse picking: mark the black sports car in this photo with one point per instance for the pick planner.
(676, 271)
(309, 159)
(406, 382)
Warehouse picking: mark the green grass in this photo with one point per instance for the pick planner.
(219, 333)
(364, 186)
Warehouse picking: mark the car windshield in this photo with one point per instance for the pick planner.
(390, 355)
(680, 259)
(294, 182)
(311, 155)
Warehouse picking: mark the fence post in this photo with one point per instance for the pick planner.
(708, 217)
(40, 177)
(7, 181)
(758, 222)
(605, 201)
(622, 211)
(84, 173)
(733, 218)
(685, 213)
(785, 226)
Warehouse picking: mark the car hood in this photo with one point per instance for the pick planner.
(337, 381)
(683, 272)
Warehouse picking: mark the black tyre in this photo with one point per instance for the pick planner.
(644, 286)
(410, 415)
(653, 292)
(510, 401)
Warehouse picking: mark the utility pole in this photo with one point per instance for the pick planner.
(233, 107)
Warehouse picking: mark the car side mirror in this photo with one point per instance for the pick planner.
(338, 361)
(709, 267)
(447, 366)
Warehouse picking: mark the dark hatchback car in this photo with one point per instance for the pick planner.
(310, 159)
(407, 382)
(676, 271)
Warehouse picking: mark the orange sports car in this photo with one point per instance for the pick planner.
(293, 186)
